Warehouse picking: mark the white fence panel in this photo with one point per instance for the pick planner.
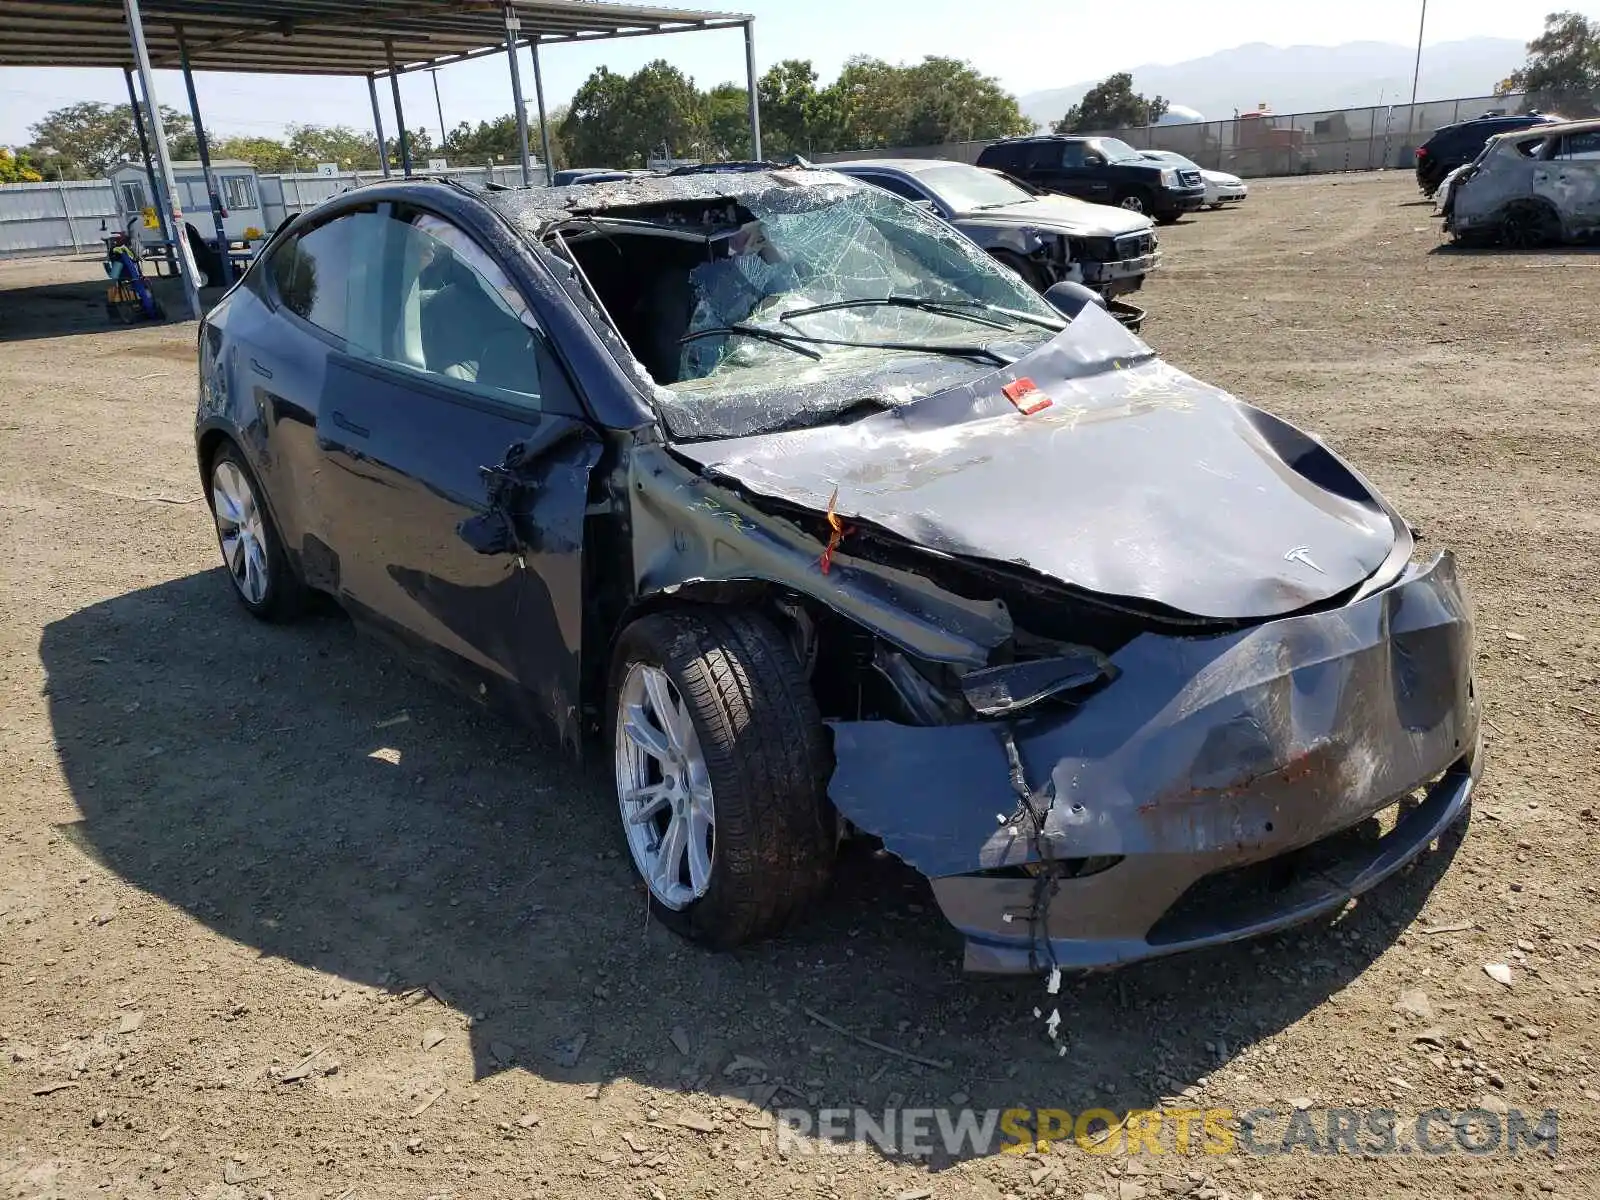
(51, 218)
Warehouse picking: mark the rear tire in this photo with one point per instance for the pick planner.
(754, 759)
(1133, 202)
(1528, 225)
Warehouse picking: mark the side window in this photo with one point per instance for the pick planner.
(1044, 156)
(133, 197)
(1580, 146)
(238, 191)
(890, 183)
(316, 272)
(1071, 155)
(446, 308)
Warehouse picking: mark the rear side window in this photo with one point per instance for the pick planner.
(890, 183)
(1579, 146)
(1008, 157)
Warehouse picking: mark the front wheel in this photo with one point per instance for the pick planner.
(1133, 202)
(252, 550)
(721, 768)
(1030, 273)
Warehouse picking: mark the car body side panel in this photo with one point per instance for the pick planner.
(688, 531)
(266, 378)
(405, 464)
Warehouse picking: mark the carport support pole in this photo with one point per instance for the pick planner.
(399, 112)
(544, 121)
(141, 56)
(205, 160)
(377, 123)
(156, 201)
(513, 25)
(755, 98)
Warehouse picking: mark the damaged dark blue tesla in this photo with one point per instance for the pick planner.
(817, 521)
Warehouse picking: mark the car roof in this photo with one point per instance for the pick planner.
(1023, 139)
(537, 209)
(1548, 130)
(911, 166)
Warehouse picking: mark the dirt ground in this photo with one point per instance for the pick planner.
(278, 917)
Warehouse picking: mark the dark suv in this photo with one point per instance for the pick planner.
(1456, 145)
(1103, 170)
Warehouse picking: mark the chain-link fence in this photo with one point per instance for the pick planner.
(1258, 144)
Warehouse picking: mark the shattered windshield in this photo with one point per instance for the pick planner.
(861, 300)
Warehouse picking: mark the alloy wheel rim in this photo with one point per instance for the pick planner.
(241, 531)
(1133, 204)
(663, 788)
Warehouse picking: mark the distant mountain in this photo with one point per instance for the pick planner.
(1292, 79)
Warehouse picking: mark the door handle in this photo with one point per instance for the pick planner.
(345, 423)
(260, 370)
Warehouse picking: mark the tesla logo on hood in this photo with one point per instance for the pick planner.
(1302, 555)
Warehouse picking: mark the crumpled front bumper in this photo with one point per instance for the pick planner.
(1229, 780)
(1119, 276)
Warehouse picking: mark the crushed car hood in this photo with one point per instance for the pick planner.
(1078, 218)
(1137, 482)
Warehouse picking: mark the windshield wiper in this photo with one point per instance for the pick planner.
(787, 341)
(949, 308)
(921, 303)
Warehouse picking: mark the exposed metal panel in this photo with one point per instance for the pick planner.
(331, 37)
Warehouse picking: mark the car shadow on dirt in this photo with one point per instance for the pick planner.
(1456, 249)
(53, 310)
(300, 791)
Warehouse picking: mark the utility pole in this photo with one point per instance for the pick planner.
(1416, 75)
(434, 71)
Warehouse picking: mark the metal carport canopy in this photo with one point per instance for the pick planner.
(370, 38)
(319, 37)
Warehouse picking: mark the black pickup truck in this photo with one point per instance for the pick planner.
(1102, 170)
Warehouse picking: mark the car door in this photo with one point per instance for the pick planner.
(456, 461)
(1569, 177)
(1068, 169)
(280, 342)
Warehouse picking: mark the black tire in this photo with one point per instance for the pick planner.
(1528, 225)
(1019, 264)
(767, 759)
(1133, 201)
(1169, 218)
(285, 596)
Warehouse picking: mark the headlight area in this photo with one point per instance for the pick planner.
(1169, 180)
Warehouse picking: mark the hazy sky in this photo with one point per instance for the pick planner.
(1027, 44)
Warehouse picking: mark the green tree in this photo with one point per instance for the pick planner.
(622, 122)
(263, 153)
(352, 150)
(1562, 73)
(90, 139)
(948, 101)
(593, 131)
(727, 113)
(16, 168)
(790, 110)
(1111, 104)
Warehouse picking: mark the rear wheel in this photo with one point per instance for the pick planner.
(1133, 202)
(252, 550)
(1527, 225)
(721, 766)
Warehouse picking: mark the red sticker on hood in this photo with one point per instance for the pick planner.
(1025, 394)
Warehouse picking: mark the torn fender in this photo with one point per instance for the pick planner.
(687, 530)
